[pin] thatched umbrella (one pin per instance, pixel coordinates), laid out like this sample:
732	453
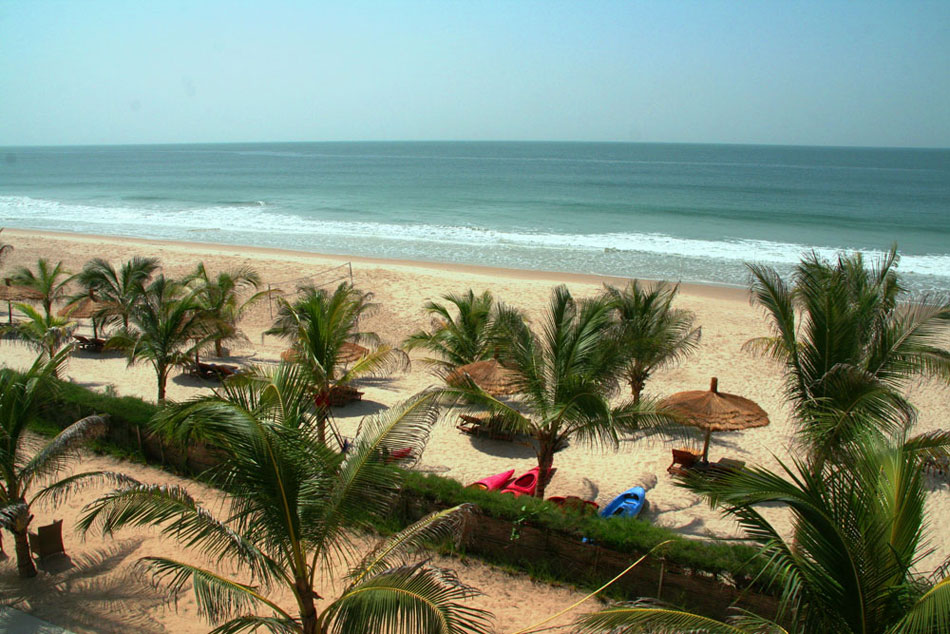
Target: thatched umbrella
350	352
490	375
12	293
715	411
85	308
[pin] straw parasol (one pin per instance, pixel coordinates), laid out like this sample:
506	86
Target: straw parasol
489	374
85	308
715	411
12	293
350	352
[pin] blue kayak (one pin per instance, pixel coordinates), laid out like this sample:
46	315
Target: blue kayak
627	504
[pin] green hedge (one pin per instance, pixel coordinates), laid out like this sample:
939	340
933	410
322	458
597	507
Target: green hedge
716	558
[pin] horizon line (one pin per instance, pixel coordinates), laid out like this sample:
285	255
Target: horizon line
486	141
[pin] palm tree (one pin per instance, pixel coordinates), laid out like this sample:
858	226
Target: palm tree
320	323
649	332
468	336
563	379
164	327
4	248
292	506
859	531
45	333
219	298
848	346
48	281
117	292
24	465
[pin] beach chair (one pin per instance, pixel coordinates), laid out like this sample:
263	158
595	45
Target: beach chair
342	395
47	540
92	344
482	426
683	460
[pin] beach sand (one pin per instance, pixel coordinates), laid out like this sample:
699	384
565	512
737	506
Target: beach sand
402	289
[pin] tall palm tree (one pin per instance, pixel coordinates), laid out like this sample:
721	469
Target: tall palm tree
24	463
117	292
848	345
650	334
50	282
4	248
458	339
859	531
292	506
45	333
319	323
220	300
164	327
564	379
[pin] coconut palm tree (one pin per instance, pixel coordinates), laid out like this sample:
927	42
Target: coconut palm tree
859	531
4	248
319	323
49	282
650	334
848	345
117	292
220	301
564	379
45	333
164	327
458	339
292	508
26	463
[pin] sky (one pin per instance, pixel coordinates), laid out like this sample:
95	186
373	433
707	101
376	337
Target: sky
799	73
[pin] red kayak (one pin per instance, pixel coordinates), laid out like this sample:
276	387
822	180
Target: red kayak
495	482
526	483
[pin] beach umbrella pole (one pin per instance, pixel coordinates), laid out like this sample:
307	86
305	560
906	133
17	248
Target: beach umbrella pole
706	446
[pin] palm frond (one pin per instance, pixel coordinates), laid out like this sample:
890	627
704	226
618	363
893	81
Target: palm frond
650	616
931	612
217	597
53	457
55	493
407	599
394	551
14	516
249	623
180	517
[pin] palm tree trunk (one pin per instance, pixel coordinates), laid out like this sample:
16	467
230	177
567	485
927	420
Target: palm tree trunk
308	607
217	348
24	561
545	462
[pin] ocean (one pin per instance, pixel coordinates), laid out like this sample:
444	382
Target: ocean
692	213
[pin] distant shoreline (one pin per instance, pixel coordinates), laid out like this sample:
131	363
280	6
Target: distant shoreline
719	291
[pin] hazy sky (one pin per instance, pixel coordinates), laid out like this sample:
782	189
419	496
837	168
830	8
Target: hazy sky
822	73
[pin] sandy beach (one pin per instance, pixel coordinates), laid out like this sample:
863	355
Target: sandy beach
401	289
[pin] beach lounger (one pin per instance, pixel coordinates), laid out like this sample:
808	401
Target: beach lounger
214	371
683	460
482	426
90	343
47	540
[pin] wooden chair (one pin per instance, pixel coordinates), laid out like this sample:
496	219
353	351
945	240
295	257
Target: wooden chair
482	426
683	460
47	540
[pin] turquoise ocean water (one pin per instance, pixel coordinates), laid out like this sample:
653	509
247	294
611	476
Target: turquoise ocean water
694	213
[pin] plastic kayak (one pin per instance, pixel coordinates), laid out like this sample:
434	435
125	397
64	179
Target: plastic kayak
526	483
627	504
495	482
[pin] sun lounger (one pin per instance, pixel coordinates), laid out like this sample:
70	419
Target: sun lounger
482	426
47	540
214	371
92	344
683	460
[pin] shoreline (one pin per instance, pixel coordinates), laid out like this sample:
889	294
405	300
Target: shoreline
709	290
